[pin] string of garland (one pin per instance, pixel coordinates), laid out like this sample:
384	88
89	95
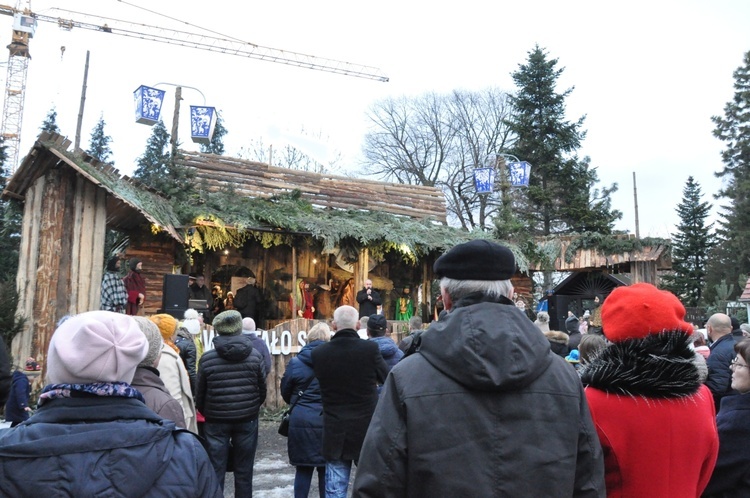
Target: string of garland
610	244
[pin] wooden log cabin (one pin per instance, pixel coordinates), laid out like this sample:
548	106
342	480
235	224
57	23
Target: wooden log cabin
334	232
282	225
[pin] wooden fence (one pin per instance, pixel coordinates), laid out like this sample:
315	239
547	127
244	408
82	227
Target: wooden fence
284	342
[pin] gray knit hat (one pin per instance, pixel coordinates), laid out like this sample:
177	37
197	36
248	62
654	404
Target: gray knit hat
153	336
228	323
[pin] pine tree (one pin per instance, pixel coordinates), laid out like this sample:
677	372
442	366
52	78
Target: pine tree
10	226
216	146
690	247
50	122
731	257
156	167
561	196
99	143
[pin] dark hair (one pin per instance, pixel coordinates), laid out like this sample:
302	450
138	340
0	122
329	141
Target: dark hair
590	346
742	348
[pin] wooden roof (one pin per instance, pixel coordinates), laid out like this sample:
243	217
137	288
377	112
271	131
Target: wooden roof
745	297
129	202
255	179
586	259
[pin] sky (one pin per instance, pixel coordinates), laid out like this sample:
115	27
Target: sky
648	76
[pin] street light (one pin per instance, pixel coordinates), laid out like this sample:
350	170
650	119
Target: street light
513	173
148	104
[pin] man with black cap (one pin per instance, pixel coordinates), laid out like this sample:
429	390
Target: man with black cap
114	295
484	390
377	328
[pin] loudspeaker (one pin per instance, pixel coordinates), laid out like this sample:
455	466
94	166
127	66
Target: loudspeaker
175	293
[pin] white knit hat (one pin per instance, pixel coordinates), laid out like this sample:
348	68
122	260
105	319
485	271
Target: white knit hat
96	346
192	325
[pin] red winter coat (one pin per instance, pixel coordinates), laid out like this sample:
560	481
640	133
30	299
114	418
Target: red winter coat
655	421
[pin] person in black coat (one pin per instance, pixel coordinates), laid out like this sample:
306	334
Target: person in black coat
231	390
731	476
188	353
349	370
5	374
368	300
719	328
17	408
247	300
572	328
305	443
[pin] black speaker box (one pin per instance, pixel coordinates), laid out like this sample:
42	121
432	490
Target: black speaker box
175	293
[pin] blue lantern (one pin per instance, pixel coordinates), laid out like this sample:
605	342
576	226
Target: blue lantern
148	102
484	180
202	123
519	172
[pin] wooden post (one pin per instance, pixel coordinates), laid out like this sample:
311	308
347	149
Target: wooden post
294	282
175	119
83	101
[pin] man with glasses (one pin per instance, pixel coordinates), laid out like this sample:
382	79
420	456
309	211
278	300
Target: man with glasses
719	381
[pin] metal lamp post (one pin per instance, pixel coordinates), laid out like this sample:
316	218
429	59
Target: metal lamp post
513	173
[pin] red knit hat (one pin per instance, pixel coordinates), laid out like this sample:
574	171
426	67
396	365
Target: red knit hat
640	310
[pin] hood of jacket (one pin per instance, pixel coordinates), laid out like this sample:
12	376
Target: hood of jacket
388	348
557	336
657	366
486	345
233	347
571	325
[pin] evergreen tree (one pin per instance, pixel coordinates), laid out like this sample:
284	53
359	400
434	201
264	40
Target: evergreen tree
731	257
50	122
10	226
216	146
99	143
156	167
561	196
690	247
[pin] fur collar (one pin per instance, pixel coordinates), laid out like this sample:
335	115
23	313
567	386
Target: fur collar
555	336
657	366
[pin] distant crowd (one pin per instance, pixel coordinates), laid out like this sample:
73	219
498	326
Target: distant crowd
629	400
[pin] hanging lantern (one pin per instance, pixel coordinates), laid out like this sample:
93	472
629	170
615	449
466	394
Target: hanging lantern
202	123
519	172
484	180
148	102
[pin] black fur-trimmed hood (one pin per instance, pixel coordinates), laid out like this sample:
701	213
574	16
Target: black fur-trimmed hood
657	366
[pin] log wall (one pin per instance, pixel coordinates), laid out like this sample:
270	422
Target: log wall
61	257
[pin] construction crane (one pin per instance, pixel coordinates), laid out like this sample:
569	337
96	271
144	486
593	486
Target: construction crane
24	27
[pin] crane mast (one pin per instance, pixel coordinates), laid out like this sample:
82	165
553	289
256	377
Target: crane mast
25	22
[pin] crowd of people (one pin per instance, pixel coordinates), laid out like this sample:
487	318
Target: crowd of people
629	400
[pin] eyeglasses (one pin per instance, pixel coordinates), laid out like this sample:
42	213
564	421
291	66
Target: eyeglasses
736	363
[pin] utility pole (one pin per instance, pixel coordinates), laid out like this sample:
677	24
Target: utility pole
83	102
635	197
176	119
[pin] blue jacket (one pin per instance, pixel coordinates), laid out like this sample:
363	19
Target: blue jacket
18	399
719	379
305	441
103	446
389	350
731	475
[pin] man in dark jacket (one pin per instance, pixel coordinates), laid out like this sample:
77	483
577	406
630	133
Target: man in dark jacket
198	290
484	405
231	390
91	434
719	381
5	373
348	370
247	300
572	324
368	300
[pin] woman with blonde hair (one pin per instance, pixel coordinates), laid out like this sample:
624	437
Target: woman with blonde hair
300	388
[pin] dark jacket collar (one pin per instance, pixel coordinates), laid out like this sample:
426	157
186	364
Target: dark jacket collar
340	334
481	297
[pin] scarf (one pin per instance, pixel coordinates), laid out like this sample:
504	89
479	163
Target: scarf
116	389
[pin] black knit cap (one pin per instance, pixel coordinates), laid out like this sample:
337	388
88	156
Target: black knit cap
377	323
476	260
